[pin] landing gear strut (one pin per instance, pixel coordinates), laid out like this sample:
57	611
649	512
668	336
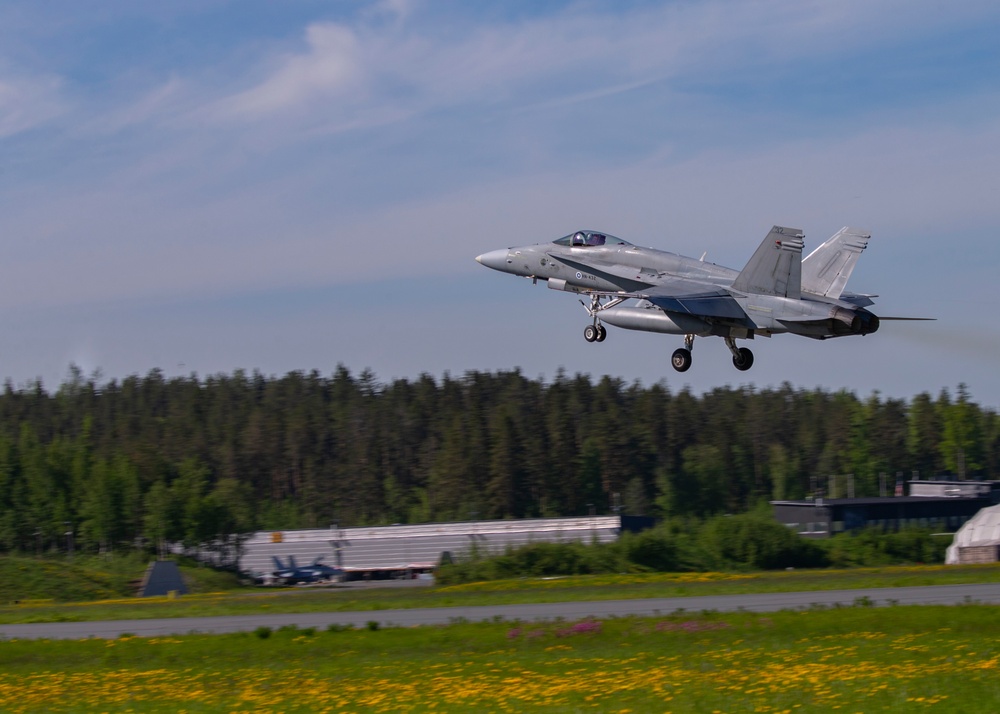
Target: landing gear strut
596	332
742	357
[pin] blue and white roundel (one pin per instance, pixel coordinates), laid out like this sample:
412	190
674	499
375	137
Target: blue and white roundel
579	275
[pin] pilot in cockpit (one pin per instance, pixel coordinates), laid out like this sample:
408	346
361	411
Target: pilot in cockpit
588	239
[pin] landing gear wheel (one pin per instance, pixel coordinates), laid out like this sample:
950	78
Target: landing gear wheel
744	360
590	333
681	360
602	333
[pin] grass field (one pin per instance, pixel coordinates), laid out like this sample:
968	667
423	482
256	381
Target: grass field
857	659
576	588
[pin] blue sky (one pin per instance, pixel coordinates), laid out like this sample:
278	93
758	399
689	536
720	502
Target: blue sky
205	186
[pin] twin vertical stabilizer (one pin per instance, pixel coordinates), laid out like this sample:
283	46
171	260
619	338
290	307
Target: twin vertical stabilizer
825	271
776	267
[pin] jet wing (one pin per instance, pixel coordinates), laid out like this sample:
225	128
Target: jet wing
694	298
705	305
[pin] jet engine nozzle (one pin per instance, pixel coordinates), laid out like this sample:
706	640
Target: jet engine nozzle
854	322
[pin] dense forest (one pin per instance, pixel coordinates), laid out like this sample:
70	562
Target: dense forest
135	462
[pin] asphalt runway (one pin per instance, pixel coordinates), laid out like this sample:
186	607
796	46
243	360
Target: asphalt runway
988	593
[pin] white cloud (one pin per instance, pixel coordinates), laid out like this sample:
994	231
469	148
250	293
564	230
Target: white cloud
347	75
152	107
397	11
326	70
27	102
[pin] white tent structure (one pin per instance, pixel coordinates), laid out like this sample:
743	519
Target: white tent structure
978	541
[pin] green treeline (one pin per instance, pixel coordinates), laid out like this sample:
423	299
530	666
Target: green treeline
135	462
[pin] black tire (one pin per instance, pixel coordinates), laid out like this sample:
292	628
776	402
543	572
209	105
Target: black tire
681	360
602	333
590	333
744	361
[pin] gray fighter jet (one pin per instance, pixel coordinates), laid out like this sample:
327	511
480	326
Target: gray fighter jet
776	292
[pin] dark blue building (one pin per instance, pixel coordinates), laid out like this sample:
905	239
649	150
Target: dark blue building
942	506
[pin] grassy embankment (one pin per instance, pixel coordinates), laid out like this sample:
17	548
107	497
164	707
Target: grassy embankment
41	582
204	602
847	659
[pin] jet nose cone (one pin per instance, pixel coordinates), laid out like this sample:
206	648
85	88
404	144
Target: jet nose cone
496	259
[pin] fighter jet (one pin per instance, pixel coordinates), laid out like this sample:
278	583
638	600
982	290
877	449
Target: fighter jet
777	291
293	573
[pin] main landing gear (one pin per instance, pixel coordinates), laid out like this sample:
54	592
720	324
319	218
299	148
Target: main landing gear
681	358
742	357
596	332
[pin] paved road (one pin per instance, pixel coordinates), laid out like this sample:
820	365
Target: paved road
768	602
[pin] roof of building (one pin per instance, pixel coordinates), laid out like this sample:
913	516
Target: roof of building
826	502
982	529
403	547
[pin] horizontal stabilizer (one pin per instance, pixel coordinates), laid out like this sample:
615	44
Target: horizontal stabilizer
776	266
825	271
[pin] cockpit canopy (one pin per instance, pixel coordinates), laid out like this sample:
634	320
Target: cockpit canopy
590	238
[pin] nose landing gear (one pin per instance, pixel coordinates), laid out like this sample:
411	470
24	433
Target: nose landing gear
595	332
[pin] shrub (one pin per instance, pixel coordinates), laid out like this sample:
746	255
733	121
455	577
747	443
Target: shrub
757	542
746	541
669	548
536	560
873	547
653	549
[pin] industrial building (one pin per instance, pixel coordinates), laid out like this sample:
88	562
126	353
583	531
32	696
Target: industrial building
407	550
944	506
